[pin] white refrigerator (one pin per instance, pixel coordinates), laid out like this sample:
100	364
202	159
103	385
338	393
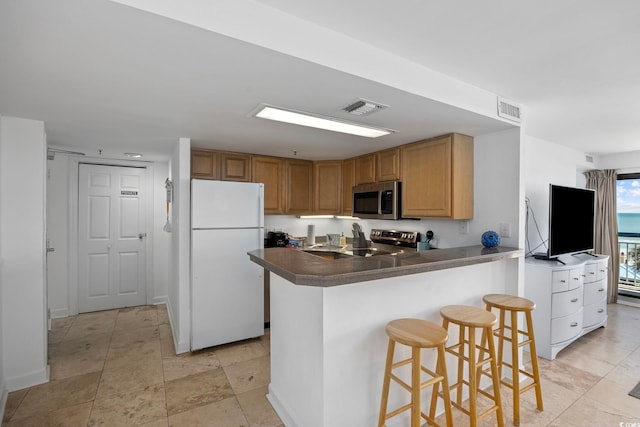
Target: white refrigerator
227	291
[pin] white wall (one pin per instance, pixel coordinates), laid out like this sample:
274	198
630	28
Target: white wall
179	289
548	163
22	216
3	386
497	199
61	287
622	162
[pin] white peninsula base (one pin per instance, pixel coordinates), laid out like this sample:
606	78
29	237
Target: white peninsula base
328	344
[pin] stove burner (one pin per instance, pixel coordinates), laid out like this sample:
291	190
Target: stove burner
395	237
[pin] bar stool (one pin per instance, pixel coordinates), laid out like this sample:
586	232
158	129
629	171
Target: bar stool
469	319
515	305
417	334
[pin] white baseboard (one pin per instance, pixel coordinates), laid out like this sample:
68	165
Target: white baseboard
159	300
59	313
29	380
280	409
3	399
181	346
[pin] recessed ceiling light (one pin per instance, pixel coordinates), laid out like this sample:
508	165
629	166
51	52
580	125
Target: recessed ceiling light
320	122
133	155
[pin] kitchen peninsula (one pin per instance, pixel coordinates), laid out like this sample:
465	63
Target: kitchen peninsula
328	343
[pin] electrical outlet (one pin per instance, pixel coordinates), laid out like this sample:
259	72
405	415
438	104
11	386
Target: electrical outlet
463	227
505	229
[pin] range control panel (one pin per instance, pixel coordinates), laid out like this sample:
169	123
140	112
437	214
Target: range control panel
395	237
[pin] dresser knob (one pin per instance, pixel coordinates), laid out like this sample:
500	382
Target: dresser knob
574	324
601	310
574	300
601	290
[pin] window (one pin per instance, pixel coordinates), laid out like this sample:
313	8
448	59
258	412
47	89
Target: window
628	209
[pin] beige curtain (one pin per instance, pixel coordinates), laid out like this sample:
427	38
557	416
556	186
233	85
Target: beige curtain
606	233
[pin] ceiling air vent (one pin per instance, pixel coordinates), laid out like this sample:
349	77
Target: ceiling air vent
588	158
508	110
362	107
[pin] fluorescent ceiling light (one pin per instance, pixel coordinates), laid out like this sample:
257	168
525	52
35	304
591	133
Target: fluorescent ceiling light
319	122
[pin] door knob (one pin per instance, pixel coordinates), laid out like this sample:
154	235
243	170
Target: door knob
142	235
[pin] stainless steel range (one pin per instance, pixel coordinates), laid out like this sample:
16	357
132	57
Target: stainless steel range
395	237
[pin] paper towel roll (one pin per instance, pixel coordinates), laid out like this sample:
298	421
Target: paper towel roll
311	234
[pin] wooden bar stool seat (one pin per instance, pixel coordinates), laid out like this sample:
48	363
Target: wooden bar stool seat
417	334
469	319
514	305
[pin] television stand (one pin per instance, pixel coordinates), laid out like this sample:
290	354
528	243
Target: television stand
585	253
545	257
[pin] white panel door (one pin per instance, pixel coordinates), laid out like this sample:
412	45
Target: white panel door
111	237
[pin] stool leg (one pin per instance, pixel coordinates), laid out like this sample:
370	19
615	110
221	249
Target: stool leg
473	383
460	366
496	382
385	384
483	344
501	325
515	368
415	387
534	360
441	369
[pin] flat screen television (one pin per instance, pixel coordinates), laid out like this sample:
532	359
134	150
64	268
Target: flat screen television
571	220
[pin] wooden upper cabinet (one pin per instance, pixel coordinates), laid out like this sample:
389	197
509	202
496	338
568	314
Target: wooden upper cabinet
270	172
235	167
366	169
299	200
348	181
437	178
388	165
204	164
327	179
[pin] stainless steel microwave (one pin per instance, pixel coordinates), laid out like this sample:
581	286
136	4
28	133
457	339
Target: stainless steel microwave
377	201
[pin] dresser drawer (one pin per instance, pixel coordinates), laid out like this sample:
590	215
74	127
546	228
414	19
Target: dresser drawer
565	280
595	292
590	273
594	313
566	328
566	303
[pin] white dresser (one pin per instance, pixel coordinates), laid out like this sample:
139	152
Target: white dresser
571	299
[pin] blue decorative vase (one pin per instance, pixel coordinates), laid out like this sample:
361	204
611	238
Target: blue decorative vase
490	239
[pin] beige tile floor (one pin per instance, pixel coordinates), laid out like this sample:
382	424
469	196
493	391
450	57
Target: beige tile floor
118	368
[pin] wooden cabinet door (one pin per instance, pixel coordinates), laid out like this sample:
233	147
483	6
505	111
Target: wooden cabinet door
270	172
348	181
437	178
204	164
299	180
235	167
366	169
327	179
388	165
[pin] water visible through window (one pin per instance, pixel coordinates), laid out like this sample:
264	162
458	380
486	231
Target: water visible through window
628	209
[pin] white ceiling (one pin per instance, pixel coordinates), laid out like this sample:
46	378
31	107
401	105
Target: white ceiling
105	76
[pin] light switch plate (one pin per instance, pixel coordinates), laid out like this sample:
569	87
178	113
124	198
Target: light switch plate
505	229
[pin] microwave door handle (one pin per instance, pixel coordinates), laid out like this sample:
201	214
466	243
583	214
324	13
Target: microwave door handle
380	202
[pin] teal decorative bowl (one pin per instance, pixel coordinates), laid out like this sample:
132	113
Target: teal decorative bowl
490	239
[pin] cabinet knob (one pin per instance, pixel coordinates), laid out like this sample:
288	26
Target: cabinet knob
576	278
603	270
574	300
574	324
592	273
563	281
601	290
601	310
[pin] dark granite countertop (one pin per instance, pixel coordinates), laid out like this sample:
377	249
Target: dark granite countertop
303	268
